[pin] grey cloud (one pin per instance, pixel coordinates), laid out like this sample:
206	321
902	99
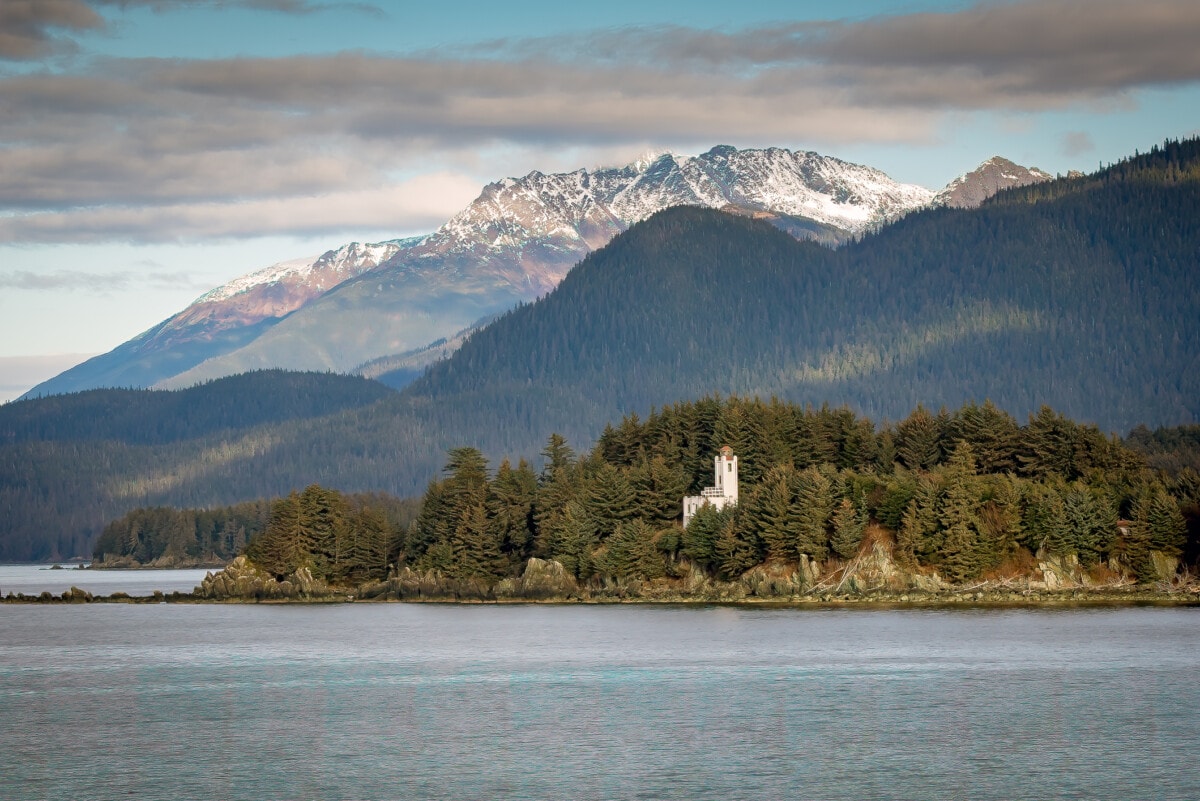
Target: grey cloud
97	283
161	148
30	29
1075	143
280	6
1016	54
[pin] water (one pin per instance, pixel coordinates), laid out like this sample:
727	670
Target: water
35	579
567	702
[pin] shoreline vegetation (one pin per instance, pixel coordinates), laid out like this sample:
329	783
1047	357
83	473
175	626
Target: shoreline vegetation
939	508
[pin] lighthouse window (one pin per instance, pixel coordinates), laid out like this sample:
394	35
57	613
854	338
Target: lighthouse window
729	467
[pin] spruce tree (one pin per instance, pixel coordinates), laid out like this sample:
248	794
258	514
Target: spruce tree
811	510
960	557
768	510
919	440
849	525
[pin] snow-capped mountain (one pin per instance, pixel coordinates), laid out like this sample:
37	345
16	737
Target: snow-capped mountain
513	244
968	191
585	209
519	238
280	289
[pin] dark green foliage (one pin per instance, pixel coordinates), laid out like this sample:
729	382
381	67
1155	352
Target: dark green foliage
153	417
811	512
919	440
610	516
700	537
849	525
509	506
632	553
1091	521
1170	449
216	535
342	540
736	549
961	554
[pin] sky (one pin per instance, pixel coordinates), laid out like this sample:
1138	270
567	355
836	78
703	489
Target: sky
151	150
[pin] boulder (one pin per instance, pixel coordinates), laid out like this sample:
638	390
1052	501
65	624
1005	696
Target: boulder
242	580
545	578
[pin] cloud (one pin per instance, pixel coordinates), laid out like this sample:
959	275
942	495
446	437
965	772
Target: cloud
29	28
1076	143
164	149
421	204
32	29
99	283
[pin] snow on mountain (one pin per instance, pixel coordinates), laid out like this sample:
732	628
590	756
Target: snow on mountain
318	272
969	190
513	244
585	209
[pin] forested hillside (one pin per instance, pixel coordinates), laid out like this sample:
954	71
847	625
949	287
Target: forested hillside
969	496
69	464
1078	293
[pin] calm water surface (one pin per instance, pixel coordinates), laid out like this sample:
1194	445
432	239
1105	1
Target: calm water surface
35	579
527	702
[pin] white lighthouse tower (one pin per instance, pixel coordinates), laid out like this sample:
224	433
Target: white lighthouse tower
724	491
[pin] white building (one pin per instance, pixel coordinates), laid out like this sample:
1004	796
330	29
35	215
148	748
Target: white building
725	491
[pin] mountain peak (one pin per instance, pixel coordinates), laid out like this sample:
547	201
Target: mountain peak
970	190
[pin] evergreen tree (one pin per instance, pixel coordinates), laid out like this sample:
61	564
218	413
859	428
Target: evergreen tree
920	536
700	537
1091	520
735	551
280	550
768	510
919	440
475	551
632	554
811	510
510	505
960	557
659	487
1044	524
569	541
608	500
849	525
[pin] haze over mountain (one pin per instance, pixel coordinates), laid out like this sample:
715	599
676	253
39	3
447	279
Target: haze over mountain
1078	293
513	244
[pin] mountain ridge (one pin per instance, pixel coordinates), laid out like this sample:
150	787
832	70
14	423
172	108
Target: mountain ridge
513	244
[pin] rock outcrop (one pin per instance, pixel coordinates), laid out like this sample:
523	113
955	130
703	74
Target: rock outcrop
242	581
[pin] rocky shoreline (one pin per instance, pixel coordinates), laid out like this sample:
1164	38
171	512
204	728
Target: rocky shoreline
872	580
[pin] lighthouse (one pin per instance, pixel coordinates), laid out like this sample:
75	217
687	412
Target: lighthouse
724	491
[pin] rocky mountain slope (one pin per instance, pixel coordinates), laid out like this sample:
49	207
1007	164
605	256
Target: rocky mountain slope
221	320
968	191
513	244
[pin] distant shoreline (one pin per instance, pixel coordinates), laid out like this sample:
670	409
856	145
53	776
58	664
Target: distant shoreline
1061	599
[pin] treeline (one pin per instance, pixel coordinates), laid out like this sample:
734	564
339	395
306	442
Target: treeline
342	539
1170	449
152	417
165	535
303	519
969	494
